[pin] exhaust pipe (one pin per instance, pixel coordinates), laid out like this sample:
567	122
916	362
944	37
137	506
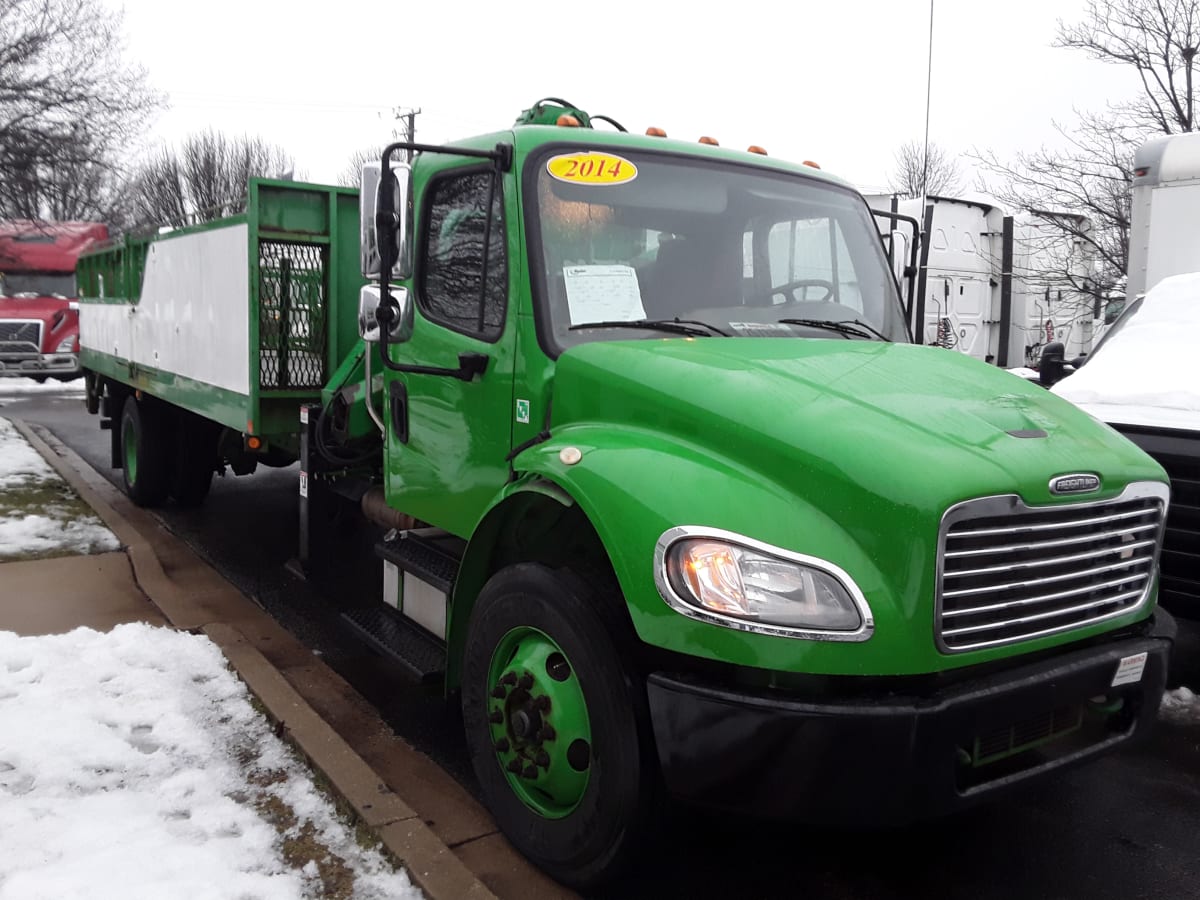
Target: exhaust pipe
376	509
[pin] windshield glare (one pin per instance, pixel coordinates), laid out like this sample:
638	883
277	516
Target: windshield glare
40	284
730	246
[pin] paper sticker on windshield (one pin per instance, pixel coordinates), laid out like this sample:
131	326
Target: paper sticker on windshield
592	168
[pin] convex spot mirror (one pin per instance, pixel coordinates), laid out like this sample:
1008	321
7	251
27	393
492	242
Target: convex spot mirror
393	198
368	314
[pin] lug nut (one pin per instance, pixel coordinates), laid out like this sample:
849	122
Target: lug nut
530	771
495	717
547	734
502	745
542	703
542	759
525	682
499	693
508	678
514	766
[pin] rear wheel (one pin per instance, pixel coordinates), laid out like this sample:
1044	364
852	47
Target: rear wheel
195	459
145	449
557	727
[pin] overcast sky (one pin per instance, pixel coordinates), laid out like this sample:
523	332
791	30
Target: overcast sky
840	82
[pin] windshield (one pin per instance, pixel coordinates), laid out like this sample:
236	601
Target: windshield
727	249
37	284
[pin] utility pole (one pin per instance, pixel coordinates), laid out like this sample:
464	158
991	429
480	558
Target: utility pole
407	115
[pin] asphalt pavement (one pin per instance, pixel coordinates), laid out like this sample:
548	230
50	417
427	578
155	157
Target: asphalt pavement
1125	826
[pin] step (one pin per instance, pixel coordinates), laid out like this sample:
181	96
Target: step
398	639
429	554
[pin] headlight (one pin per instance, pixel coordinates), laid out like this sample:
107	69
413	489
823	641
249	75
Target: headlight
67	346
734	581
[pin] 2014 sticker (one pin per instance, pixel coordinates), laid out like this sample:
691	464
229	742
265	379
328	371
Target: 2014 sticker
592	168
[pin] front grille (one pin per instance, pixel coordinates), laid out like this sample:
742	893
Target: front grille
1011	572
20	336
1179	565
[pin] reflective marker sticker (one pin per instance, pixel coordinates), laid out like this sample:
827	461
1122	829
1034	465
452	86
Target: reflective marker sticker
592	168
303	484
1130	669
304	415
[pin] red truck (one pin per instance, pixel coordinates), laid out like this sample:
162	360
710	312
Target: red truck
39	320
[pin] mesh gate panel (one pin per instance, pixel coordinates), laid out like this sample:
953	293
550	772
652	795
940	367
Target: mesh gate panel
293	315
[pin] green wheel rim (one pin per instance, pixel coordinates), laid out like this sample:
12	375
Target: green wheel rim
129	443
538	722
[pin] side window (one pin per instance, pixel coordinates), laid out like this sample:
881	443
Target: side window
452	257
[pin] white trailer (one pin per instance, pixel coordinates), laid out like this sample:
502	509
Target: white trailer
986	285
1166	197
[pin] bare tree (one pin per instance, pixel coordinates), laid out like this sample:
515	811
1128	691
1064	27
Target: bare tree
69	106
1158	40
353	172
920	173
205	179
1079	191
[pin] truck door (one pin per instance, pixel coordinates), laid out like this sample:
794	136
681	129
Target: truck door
448	439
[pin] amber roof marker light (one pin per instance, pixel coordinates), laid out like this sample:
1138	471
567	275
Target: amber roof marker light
655	132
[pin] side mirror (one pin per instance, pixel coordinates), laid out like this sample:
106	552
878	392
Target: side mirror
401	326
1052	365
385	219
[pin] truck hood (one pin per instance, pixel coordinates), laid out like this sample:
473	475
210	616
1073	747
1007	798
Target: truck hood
845	423
26	307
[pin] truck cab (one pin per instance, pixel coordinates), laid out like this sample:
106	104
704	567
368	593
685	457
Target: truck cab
39	324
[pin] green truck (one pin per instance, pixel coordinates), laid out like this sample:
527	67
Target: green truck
672	501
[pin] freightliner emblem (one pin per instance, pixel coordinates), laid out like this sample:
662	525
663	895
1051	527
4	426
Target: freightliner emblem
1074	484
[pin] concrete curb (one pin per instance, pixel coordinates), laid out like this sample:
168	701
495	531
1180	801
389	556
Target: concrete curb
430	863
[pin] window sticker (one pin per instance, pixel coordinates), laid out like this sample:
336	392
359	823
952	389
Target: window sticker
603	294
592	168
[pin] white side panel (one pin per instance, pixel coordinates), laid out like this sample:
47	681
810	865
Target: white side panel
106	328
193	317
1174	245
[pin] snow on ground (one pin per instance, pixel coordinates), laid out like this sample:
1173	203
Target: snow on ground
1147	371
10	386
1181	706
133	765
39	514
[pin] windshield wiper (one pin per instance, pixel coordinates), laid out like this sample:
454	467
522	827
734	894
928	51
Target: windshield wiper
690	327
845	327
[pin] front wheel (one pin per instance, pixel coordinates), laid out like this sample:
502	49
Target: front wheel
556	725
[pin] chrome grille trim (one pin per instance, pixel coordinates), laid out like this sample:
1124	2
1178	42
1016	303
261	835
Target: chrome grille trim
21	335
1112	575
1064	542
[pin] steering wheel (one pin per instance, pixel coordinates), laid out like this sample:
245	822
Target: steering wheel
790	288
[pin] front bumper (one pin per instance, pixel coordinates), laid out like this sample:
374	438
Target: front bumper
890	757
25	365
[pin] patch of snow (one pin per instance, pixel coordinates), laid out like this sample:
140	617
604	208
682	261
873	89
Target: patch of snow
130	765
1025	372
57	525
1148	371
1181	706
10	386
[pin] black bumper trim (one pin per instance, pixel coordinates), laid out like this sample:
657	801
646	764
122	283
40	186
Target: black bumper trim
888	758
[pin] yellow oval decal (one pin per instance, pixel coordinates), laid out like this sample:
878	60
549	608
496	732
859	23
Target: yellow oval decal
592	168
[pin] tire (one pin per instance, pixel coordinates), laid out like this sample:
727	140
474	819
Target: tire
536	634
145	452
195	459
